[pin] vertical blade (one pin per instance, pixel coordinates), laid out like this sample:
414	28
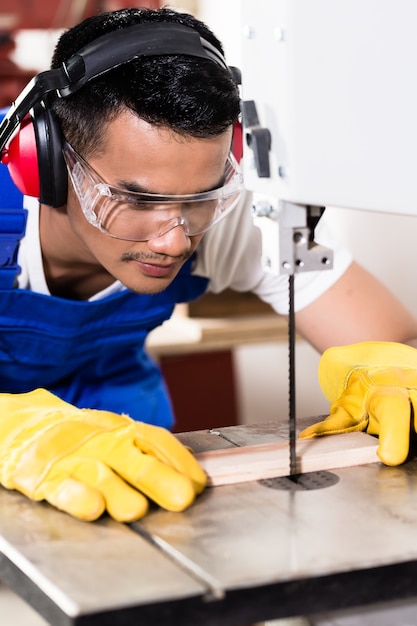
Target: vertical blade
291	373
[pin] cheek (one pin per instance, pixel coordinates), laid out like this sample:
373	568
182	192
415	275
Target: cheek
99	245
195	240
75	214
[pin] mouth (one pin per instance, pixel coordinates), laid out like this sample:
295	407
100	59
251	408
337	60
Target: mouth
156	270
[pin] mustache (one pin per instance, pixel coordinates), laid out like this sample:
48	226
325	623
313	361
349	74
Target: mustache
146	257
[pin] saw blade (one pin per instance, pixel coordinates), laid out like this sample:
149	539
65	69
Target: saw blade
291	374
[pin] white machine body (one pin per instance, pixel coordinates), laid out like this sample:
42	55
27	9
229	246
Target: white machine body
334	83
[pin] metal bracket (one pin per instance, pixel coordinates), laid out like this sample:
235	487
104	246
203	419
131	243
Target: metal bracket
288	237
298	250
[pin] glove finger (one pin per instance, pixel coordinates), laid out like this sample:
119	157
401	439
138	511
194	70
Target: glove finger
89	488
75	498
340	421
164	446
123	503
390	417
163	484
348	412
413	398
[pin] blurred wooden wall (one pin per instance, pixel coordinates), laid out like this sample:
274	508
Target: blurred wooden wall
42	15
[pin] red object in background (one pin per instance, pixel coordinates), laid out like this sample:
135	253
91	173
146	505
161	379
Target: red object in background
203	389
43	15
12	78
21	14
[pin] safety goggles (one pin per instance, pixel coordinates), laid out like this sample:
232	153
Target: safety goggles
142	216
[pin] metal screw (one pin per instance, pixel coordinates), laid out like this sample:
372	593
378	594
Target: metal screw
299	238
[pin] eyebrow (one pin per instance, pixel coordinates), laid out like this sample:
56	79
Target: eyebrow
134	187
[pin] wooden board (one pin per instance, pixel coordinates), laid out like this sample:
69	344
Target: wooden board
268	460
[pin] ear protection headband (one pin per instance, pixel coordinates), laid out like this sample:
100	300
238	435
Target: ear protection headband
30	136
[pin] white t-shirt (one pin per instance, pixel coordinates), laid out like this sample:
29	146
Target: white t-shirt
229	255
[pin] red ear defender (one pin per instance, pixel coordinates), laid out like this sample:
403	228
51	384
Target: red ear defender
22	159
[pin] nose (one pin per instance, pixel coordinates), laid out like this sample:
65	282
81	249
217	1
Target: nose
173	242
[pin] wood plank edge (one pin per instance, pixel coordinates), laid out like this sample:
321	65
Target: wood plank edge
250	463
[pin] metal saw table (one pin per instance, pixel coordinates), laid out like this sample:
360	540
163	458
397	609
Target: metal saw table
242	553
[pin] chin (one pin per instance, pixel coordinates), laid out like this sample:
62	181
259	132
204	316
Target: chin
149	290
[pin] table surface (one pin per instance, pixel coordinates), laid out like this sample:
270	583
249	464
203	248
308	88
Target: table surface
242	553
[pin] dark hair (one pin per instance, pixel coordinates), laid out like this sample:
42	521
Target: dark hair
192	96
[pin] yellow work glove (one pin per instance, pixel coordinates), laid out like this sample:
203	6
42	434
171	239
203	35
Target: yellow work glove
86	461
372	387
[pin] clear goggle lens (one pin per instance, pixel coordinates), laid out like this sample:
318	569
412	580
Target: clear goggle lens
143	216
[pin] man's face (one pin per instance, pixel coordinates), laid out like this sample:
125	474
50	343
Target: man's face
137	156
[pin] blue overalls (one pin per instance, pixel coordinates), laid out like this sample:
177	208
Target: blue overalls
91	354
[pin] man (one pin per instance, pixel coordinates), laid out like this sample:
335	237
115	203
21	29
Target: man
146	147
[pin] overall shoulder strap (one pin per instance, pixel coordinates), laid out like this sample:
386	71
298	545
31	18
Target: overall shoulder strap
12	225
